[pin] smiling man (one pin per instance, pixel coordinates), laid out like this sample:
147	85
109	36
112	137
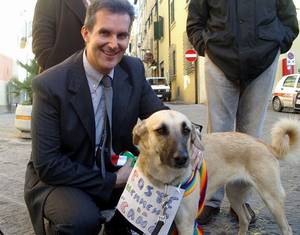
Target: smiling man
84	111
106	35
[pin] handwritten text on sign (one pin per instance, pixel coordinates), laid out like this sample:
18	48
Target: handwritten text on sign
142	203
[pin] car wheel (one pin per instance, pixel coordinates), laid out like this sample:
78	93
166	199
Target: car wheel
276	104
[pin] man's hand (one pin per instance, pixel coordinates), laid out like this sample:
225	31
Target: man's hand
123	174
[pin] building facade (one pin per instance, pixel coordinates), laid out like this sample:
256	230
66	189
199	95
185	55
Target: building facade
159	39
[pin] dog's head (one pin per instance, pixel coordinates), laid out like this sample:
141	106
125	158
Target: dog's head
165	139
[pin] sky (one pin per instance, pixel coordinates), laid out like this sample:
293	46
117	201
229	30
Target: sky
12	15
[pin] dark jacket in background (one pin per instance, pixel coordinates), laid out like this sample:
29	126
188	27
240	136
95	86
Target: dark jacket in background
242	37
56	30
63	130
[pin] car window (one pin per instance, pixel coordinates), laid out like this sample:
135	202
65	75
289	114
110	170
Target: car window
161	82
157	81
290	81
150	81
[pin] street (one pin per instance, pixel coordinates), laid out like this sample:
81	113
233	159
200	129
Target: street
15	152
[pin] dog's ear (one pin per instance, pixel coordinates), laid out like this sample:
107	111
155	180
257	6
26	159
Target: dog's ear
198	127
196	137
138	131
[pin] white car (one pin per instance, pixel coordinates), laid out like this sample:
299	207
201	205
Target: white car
287	93
160	86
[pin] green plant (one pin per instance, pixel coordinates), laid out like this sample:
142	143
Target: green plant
18	87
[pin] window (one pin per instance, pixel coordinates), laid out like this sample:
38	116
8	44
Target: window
172	9
290	81
159	28
174	61
298	84
162	69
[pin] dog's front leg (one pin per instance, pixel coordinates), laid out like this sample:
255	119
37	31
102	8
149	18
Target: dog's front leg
186	214
185	219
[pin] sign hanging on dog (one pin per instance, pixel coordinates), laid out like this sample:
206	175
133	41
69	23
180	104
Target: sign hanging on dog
148	207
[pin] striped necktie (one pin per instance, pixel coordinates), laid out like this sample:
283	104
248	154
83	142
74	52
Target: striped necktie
106	138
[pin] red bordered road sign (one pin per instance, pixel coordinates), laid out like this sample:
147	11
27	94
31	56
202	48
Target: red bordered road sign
191	55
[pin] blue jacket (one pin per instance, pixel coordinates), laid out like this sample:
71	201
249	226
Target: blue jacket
242	37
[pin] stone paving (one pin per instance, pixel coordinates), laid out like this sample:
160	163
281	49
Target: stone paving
15	152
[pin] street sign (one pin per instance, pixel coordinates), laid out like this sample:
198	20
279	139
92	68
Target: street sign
191	55
291	60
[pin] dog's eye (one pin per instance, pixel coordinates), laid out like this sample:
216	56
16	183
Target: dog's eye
163	130
185	129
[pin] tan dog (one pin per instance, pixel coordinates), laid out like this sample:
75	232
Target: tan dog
166	139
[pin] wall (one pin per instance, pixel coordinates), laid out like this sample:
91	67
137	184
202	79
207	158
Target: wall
183	84
6	71
295	49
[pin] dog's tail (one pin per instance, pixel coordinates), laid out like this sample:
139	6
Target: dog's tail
286	138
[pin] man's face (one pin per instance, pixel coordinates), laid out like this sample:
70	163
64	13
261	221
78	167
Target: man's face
107	41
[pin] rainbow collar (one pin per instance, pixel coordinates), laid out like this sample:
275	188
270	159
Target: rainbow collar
189	186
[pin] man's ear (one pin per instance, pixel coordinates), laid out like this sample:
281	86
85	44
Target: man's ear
139	130
85	33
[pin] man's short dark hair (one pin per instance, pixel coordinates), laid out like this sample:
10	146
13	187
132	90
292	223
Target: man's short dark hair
114	6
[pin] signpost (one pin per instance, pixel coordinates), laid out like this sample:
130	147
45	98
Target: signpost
191	55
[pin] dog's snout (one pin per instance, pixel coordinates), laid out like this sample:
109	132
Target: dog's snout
181	159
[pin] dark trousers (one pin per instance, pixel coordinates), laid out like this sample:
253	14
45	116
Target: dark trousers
72	211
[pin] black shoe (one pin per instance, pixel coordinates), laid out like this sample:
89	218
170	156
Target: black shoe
207	214
117	226
251	212
116	230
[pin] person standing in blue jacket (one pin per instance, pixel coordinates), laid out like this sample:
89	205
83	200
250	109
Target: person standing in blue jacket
241	41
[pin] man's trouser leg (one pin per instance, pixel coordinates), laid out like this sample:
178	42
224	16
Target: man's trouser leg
230	108
254	101
222	101
72	211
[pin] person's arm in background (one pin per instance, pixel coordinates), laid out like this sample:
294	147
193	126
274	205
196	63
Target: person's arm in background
287	15
196	24
44	30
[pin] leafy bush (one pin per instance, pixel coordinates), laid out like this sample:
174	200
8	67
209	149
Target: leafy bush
18	87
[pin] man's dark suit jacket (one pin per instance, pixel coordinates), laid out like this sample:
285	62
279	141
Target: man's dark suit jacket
56	30
63	129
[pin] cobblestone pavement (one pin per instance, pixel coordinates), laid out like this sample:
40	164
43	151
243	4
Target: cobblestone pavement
15	152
